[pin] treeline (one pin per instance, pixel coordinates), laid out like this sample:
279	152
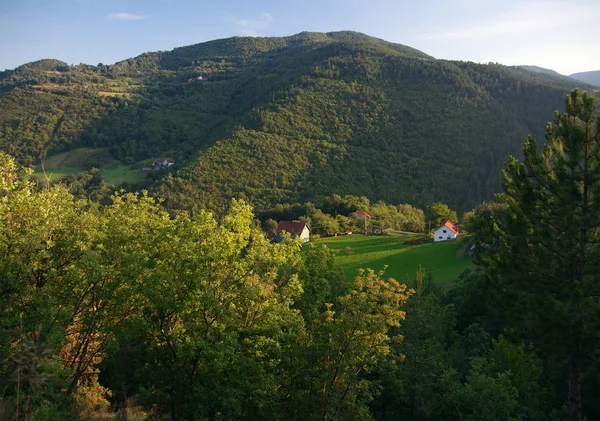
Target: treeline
337	214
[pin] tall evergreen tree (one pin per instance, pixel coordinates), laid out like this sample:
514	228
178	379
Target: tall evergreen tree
546	262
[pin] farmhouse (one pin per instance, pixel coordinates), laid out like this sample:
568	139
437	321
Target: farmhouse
445	232
362	214
295	229
163	163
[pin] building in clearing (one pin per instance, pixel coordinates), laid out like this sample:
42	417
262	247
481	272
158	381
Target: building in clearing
295	229
163	163
446	231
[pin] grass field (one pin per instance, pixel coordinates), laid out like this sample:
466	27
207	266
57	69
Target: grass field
117	173
66	163
444	260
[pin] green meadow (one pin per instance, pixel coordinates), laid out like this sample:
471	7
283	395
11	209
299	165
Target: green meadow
117	173
444	261
79	160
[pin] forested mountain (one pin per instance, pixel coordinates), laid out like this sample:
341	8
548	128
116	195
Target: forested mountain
289	119
541	70
593	77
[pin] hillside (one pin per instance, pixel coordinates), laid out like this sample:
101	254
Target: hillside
593	78
288	119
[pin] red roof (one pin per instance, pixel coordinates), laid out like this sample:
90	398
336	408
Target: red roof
362	214
294	228
449	225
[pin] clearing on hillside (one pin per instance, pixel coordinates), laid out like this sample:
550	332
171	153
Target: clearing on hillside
443	260
82	159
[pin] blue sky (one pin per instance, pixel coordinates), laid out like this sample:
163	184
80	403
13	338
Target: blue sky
561	35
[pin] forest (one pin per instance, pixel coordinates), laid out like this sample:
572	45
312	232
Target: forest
287	120
198	316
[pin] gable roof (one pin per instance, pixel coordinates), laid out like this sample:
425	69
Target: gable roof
362	214
294	228
448	224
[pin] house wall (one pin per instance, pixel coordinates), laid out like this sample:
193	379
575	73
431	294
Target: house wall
440	235
305	235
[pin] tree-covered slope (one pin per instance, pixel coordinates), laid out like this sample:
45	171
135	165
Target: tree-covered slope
539	69
288	119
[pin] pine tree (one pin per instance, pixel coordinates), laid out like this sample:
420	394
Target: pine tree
546	262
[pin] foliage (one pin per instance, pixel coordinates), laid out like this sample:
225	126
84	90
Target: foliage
345	343
483	221
412	389
336	214
438	213
451	373
193	317
545	262
89	185
210	318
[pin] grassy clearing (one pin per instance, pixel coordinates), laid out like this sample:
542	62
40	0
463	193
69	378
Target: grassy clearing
444	260
80	160
119	173
53	173
75	158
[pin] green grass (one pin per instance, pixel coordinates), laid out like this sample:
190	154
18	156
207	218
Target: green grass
73	158
54	173
119	173
444	260
67	163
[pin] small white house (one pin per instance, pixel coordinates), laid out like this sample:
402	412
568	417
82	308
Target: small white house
445	232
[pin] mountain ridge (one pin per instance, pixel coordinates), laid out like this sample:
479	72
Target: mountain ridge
540	70
288	119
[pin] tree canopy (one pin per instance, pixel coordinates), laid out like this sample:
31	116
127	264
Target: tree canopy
546	259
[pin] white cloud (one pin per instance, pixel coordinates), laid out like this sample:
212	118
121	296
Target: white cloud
253	27
126	16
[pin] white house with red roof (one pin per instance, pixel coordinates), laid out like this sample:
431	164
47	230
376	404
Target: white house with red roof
446	231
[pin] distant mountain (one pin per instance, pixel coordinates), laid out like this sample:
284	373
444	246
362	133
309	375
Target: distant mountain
290	119
593	77
541	70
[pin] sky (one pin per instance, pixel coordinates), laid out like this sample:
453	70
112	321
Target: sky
559	35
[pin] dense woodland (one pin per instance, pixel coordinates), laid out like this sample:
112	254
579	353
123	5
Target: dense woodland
287	120
200	317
